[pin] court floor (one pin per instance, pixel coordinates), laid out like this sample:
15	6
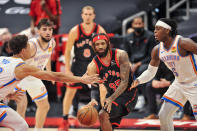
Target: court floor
55	129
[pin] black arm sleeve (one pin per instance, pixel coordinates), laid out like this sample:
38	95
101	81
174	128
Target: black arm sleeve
95	93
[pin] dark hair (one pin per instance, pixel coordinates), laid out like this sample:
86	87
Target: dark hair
138	17
173	25
46	22
17	43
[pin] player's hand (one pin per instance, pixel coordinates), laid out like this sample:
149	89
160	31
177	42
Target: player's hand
86	79
134	84
15	96
33	32
108	104
93	102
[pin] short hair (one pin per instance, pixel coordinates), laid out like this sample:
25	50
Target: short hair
138	17
17	43
46	22
173	25
88	7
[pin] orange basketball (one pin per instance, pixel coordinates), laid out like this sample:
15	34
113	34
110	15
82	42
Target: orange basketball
87	115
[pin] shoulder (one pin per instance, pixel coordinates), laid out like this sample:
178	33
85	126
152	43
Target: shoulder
73	32
74	29
184	40
121	54
101	29
156	48
92	68
155	52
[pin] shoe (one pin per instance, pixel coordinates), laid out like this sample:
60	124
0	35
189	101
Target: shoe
151	116
64	126
186	117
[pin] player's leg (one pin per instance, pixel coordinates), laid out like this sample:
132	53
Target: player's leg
12	120
22	105
173	100
166	116
37	90
41	112
68	98
105	121
191	95
22	102
111	120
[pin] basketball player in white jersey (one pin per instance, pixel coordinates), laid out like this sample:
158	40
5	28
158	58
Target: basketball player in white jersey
13	69
179	55
41	50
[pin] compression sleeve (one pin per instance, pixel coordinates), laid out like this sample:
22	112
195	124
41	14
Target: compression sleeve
148	74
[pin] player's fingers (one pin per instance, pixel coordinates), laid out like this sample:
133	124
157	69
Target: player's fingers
109	108
96	103
105	105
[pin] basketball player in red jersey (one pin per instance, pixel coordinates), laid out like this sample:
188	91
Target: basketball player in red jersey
113	67
80	38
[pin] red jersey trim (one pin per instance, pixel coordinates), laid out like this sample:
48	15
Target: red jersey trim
102	61
116	104
78	33
117	62
90	32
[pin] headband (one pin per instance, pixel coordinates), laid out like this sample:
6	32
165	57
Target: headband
163	24
100	37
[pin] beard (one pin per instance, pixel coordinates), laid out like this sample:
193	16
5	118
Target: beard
45	40
103	54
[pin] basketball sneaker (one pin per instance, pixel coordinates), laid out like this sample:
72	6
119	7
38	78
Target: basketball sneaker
64	126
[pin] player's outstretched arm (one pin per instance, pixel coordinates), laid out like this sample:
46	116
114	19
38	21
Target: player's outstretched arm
25	70
149	73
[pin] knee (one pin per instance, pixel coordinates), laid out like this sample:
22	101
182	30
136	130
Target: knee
162	115
44	106
103	115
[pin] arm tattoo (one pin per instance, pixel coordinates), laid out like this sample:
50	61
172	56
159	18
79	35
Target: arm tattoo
124	75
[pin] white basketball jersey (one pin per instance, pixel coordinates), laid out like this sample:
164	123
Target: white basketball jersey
8	80
41	56
184	68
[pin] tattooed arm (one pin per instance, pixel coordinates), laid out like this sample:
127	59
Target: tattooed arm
124	76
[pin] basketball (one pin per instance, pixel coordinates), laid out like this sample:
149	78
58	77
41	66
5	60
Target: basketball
87	115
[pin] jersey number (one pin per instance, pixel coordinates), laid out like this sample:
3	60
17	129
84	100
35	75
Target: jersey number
113	86
174	72
86	53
